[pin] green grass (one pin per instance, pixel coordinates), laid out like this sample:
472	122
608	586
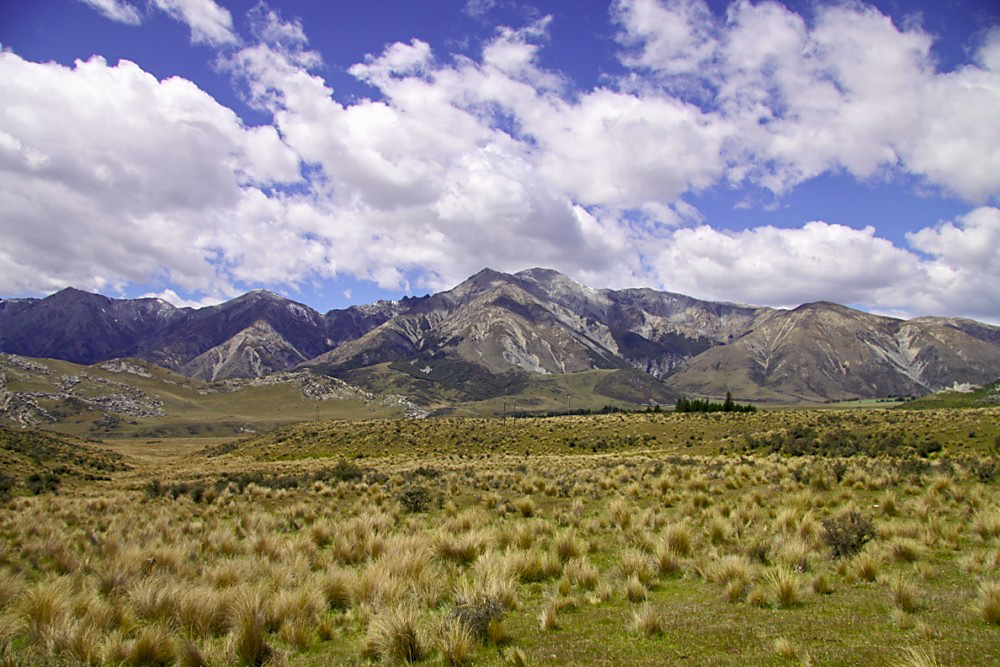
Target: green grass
982	397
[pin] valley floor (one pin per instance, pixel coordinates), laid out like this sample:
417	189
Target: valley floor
796	537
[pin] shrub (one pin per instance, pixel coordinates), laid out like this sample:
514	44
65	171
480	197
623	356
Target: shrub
6	485
847	533
476	611
415	498
985	471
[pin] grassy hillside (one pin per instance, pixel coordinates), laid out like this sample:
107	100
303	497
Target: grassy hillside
37	462
795	432
610	540
455	388
134	398
978	398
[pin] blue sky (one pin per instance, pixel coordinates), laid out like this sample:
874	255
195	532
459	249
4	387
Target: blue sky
343	152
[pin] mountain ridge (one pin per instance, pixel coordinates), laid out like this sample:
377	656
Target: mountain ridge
534	321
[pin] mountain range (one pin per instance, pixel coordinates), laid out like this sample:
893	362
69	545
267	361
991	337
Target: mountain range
486	335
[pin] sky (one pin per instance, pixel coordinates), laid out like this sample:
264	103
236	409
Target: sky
343	152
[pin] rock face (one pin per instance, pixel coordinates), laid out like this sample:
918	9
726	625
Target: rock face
824	351
254	352
541	321
535	321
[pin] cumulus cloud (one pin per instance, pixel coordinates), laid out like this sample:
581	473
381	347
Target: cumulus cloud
494	160
962	268
852	91
111	176
948	269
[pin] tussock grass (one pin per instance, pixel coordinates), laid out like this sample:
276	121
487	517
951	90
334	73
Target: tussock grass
395	634
903	593
153	646
784	586
915	657
786	648
648	620
454	641
548	617
866	566
263	570
987	603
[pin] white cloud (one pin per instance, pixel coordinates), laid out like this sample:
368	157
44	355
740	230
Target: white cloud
174	299
852	91
117	10
111	176
779	266
209	23
963	268
956	274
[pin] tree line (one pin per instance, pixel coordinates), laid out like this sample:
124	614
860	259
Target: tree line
685	404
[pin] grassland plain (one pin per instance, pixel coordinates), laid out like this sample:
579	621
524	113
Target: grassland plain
867	537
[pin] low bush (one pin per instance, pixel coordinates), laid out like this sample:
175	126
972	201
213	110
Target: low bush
847	533
415	498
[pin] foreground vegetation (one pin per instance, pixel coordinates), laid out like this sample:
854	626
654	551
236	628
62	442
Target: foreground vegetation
724	539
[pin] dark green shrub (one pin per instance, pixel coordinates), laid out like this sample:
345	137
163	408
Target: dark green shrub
985	471
847	533
415	498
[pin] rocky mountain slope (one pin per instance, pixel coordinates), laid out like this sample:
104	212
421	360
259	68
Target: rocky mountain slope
533	322
138	398
250	336
824	351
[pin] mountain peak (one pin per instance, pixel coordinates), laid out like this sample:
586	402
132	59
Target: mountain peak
540	273
72	295
263	294
479	282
